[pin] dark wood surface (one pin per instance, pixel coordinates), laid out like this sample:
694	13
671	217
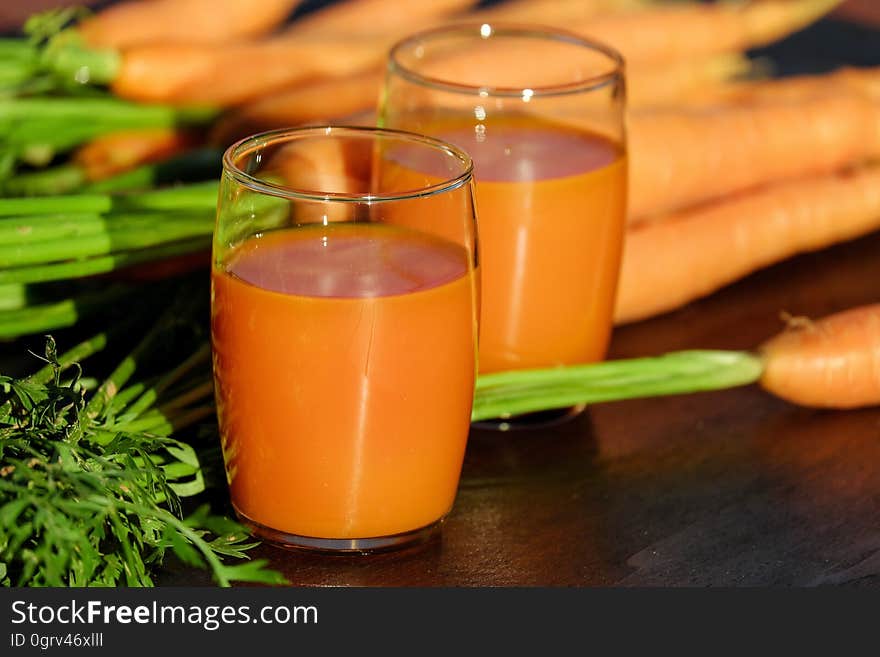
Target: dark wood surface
722	489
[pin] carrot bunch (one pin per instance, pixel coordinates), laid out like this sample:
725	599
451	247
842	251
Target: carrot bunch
754	170
352	37
759	173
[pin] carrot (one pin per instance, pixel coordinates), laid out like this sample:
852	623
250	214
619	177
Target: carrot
830	363
366	17
667	84
668	264
227	76
199	74
682	157
694	29
129	24
797	88
324	100
115	152
333	98
550	12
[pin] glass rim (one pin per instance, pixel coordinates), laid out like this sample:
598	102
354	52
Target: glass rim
284	135
590	83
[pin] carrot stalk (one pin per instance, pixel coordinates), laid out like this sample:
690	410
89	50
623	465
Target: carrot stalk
121	234
68	58
13	296
506	394
42	228
197	196
103	264
54	180
199	164
149	397
670	263
57	314
35	129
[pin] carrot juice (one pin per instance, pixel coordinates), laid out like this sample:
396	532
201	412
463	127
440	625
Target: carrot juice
345	357
552	202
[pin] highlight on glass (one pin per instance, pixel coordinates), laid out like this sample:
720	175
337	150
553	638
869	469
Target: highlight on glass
541	112
344	327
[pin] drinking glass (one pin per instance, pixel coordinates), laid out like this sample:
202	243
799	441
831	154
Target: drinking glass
541	112
344	328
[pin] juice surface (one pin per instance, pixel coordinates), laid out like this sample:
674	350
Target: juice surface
345	358
551	203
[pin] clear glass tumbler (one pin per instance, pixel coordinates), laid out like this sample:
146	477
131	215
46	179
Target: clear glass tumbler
344	326
541	112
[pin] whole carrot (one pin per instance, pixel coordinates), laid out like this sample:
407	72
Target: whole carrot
344	39
223	77
115	152
324	100
692	30
128	24
682	157
333	98
831	363
666	84
865	80
552	12
365	17
670	263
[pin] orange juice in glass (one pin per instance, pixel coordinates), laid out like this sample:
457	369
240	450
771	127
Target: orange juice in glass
541	113
344	335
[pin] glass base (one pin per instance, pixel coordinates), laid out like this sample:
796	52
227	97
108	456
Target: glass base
537	420
371	545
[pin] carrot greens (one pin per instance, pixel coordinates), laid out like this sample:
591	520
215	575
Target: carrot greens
91	481
506	394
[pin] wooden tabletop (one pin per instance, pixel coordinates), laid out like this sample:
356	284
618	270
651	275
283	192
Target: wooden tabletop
716	489
723	488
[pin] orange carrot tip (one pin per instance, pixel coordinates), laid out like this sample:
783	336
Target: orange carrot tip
770	20
830	363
